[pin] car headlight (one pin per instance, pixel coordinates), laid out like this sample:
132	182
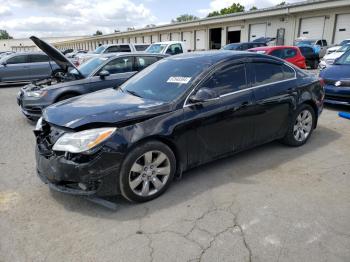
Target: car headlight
39	124
38	93
82	141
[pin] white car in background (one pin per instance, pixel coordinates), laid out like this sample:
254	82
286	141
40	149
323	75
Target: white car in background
330	58
167	48
111	48
336	47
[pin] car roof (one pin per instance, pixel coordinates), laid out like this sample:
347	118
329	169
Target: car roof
167	42
122	54
29	53
213	57
265	48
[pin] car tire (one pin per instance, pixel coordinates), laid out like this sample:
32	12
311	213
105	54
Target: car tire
301	126
147	171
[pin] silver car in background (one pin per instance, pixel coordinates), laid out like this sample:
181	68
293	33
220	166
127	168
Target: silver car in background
21	68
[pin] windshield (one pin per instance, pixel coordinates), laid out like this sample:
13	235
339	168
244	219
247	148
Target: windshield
88	67
155	48
343	48
99	49
230	46
165	80
344	59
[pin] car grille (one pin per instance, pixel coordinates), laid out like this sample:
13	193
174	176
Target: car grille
341	98
32	110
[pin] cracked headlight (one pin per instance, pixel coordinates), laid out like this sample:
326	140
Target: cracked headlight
82	141
38	93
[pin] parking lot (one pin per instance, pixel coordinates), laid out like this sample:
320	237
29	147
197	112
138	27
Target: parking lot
272	203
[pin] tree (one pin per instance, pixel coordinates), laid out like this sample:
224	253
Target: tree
98	32
253	8
5	35
234	8
282	3
184	18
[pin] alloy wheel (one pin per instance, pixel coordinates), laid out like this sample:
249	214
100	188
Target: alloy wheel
149	173
303	125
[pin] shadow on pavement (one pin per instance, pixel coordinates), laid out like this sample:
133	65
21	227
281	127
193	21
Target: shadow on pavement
236	169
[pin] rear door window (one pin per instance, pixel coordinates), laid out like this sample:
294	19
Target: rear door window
141	62
228	79
174	49
38	58
288	72
119	65
18	59
289	53
277	53
266	73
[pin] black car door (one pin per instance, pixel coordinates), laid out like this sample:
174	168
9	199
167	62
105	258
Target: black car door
273	85
220	126
120	69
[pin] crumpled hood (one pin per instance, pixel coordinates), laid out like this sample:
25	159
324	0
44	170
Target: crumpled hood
109	106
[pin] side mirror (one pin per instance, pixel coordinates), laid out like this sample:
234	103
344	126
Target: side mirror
4	63
202	95
103	74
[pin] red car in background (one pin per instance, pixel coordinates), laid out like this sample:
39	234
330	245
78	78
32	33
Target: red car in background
291	54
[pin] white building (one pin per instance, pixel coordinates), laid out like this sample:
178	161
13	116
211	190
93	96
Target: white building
25	44
324	19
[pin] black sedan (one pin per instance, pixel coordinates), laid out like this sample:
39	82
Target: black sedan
101	72
176	114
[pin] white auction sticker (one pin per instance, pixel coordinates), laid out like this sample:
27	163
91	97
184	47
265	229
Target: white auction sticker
179	79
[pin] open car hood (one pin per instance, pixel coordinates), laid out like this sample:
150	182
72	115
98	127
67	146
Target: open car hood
54	54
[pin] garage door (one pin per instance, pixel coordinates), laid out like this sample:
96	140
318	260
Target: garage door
200	40
187	38
257	31
155	38
147	39
175	37
312	27
164	37
342	28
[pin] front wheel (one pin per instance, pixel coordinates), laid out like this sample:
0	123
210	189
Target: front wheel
147	171
301	126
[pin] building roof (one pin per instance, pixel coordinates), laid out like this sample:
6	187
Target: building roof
270	11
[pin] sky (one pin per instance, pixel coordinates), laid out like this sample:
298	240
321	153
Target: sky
44	18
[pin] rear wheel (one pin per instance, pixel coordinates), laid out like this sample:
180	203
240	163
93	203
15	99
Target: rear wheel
301	126
147	171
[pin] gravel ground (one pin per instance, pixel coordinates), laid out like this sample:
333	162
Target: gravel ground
272	203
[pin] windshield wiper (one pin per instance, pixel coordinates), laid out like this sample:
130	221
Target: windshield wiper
133	93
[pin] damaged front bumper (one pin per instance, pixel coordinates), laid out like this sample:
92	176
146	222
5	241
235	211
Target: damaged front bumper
96	174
